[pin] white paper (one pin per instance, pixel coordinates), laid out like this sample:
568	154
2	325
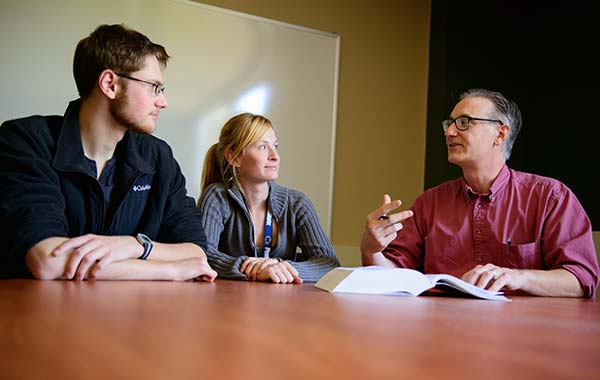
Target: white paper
384	280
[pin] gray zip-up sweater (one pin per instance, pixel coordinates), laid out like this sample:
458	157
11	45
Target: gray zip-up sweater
230	232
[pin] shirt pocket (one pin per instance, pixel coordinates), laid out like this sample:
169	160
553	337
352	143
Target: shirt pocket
521	256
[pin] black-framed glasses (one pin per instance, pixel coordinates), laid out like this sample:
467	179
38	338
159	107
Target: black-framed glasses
464	122
158	88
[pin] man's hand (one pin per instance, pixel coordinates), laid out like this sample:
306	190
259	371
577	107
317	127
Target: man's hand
494	278
90	253
382	228
194	268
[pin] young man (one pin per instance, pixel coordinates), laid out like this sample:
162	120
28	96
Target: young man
494	227
92	195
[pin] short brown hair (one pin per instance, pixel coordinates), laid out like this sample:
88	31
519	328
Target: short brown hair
113	47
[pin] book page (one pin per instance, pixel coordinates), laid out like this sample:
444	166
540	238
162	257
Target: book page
375	280
395	281
463	286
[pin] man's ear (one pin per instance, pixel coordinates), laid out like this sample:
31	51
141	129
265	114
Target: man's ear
503	133
233	161
107	83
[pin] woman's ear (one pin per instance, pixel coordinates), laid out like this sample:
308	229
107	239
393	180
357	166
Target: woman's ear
233	161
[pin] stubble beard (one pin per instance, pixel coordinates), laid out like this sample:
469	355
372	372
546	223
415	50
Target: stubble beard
118	110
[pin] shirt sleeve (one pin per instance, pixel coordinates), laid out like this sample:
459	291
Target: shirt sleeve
315	244
567	240
31	204
211	208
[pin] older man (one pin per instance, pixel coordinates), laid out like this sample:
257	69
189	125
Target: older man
495	227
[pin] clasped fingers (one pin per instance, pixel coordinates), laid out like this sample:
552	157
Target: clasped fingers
281	273
253	265
90	253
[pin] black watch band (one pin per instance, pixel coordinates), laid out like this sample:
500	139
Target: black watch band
146	242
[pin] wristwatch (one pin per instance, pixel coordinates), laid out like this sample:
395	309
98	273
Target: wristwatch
145	241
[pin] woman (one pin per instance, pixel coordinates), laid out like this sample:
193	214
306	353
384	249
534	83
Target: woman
254	225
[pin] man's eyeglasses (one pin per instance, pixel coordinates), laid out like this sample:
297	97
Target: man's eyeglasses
156	87
464	122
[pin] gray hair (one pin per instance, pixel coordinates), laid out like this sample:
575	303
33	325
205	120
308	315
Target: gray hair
504	109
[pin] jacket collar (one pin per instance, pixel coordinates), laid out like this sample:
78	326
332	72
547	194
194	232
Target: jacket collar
69	149
277	199
69	154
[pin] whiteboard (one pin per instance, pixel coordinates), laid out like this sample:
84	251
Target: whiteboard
223	63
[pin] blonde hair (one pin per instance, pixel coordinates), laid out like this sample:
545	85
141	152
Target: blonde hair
237	133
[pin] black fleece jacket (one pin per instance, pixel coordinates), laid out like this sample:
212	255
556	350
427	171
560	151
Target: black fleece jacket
47	189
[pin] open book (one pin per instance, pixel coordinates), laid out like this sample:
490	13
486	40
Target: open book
400	281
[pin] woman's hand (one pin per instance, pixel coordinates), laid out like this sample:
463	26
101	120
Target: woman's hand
262	269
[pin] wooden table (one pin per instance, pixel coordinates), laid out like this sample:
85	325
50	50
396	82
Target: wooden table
229	329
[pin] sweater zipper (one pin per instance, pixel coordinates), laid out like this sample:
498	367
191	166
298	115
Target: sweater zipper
249	218
251	237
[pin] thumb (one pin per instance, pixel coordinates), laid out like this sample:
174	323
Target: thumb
386	199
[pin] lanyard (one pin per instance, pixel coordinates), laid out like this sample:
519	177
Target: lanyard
268	234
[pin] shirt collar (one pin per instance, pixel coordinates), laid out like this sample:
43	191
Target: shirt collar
69	154
497	186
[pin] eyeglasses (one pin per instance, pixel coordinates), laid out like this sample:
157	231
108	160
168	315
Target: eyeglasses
464	122
158	88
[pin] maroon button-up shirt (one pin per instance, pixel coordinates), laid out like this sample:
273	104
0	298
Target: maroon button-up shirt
525	222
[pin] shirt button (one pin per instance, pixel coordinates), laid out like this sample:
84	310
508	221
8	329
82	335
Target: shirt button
479	259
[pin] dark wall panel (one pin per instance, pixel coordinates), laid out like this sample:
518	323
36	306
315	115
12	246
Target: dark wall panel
543	56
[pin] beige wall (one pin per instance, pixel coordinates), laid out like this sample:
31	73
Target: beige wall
380	142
